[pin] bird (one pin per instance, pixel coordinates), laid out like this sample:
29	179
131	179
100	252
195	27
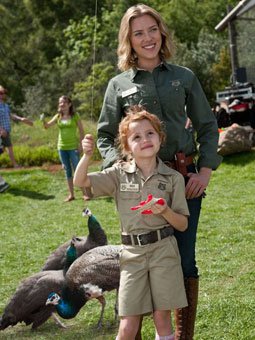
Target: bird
28	302
41	295
97	237
100	268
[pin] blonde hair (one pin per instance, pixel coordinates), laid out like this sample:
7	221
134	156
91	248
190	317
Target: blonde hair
126	55
137	113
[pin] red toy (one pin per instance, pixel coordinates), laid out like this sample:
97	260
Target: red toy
145	205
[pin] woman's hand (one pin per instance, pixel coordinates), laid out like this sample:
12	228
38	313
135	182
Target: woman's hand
88	145
197	183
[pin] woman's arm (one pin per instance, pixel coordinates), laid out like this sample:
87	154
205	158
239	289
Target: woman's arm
51	122
81	134
80	175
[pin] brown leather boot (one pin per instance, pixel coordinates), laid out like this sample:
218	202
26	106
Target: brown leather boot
185	317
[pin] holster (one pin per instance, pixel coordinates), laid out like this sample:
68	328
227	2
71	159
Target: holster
180	163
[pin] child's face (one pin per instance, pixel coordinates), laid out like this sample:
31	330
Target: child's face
143	140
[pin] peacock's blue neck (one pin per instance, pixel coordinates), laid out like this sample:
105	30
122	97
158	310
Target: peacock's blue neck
66	310
93	223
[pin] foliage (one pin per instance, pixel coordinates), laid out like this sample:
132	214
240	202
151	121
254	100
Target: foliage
91	92
35	221
207	61
66	40
186	18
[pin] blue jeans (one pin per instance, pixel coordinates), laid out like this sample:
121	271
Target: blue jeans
187	240
70	160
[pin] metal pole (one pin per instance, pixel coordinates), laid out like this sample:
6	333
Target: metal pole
232	46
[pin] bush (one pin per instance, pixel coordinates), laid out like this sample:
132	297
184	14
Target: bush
36	146
27	156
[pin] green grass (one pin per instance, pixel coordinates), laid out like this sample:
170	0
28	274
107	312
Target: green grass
34	221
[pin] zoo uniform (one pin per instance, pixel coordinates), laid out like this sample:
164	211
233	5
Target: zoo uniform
173	93
151	275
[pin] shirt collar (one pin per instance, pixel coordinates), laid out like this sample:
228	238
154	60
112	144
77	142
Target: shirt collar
134	70
163	169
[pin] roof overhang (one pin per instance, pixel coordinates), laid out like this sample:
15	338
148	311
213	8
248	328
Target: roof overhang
241	8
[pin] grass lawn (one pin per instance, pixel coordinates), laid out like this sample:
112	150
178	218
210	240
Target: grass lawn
34	221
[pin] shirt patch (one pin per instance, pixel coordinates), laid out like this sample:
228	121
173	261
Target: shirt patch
129	92
129	187
162	186
175	83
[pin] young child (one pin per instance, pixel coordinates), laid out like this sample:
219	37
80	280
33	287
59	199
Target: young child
5	125
68	143
151	274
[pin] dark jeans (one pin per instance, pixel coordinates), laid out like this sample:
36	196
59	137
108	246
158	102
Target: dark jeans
187	240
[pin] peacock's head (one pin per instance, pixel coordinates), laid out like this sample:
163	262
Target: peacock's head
53	299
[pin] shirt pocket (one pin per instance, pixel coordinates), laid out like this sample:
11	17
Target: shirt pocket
175	97
127	200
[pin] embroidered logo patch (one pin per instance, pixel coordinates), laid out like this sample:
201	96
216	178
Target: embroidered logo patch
162	186
175	83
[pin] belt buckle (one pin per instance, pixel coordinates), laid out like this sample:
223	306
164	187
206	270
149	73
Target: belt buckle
138	239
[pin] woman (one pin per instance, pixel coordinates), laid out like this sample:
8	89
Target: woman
174	94
68	143
151	279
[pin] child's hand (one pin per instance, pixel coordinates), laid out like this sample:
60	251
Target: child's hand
146	206
159	208
88	144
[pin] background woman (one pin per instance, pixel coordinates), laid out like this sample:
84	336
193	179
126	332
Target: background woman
174	94
68	142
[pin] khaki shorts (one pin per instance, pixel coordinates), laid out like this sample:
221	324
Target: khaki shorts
151	278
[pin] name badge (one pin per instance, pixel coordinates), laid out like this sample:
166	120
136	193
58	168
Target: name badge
129	92
129	187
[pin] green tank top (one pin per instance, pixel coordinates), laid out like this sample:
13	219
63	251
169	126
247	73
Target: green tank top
67	137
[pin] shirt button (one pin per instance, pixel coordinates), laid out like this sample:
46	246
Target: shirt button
155	102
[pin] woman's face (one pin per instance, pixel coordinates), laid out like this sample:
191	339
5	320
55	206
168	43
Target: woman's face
146	41
63	104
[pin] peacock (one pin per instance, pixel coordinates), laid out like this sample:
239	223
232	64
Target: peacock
28	302
100	269
40	295
96	237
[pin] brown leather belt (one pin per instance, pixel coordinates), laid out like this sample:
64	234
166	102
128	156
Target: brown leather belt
180	162
147	238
